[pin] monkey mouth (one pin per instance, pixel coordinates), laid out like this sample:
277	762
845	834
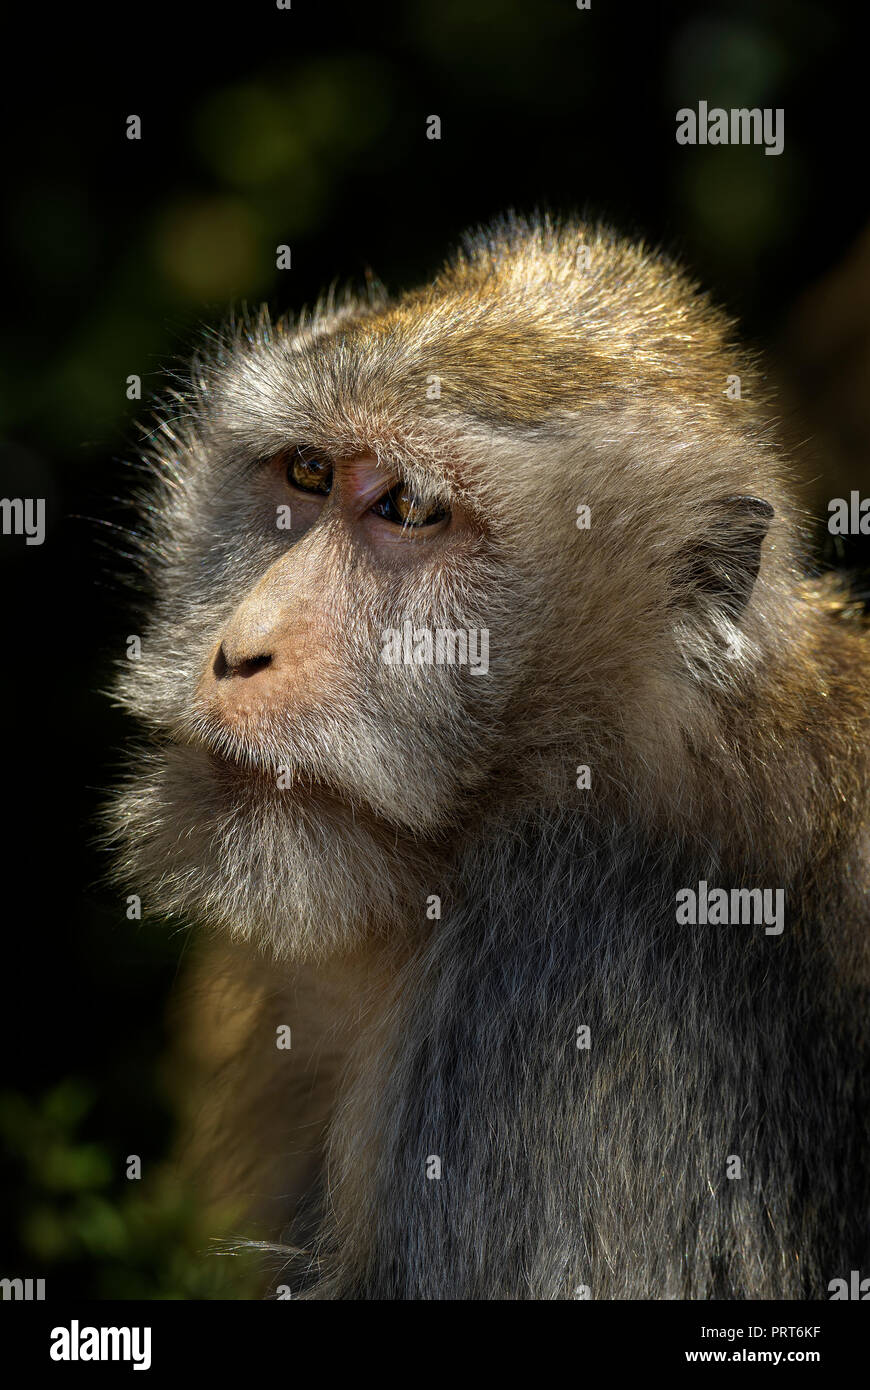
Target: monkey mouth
240	763
244	770
239	769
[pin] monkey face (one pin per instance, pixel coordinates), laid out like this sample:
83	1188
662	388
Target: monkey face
376	618
302	638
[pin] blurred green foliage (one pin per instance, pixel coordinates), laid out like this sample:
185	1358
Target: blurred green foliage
97	1232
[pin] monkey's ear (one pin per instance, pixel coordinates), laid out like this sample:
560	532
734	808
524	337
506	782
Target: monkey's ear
723	563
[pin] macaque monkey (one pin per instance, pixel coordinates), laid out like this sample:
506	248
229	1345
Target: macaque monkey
569	947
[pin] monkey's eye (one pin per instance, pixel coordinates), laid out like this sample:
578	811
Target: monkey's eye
308	472
404	508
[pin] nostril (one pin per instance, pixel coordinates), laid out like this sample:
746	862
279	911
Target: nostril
249	667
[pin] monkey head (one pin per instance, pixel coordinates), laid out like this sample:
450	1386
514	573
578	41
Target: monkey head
537	447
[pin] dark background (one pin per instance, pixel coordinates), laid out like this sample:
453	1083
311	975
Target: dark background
308	127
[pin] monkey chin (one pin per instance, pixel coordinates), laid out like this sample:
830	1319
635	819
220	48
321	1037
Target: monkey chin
300	873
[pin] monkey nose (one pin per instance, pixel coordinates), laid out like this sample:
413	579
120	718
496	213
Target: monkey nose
235	663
